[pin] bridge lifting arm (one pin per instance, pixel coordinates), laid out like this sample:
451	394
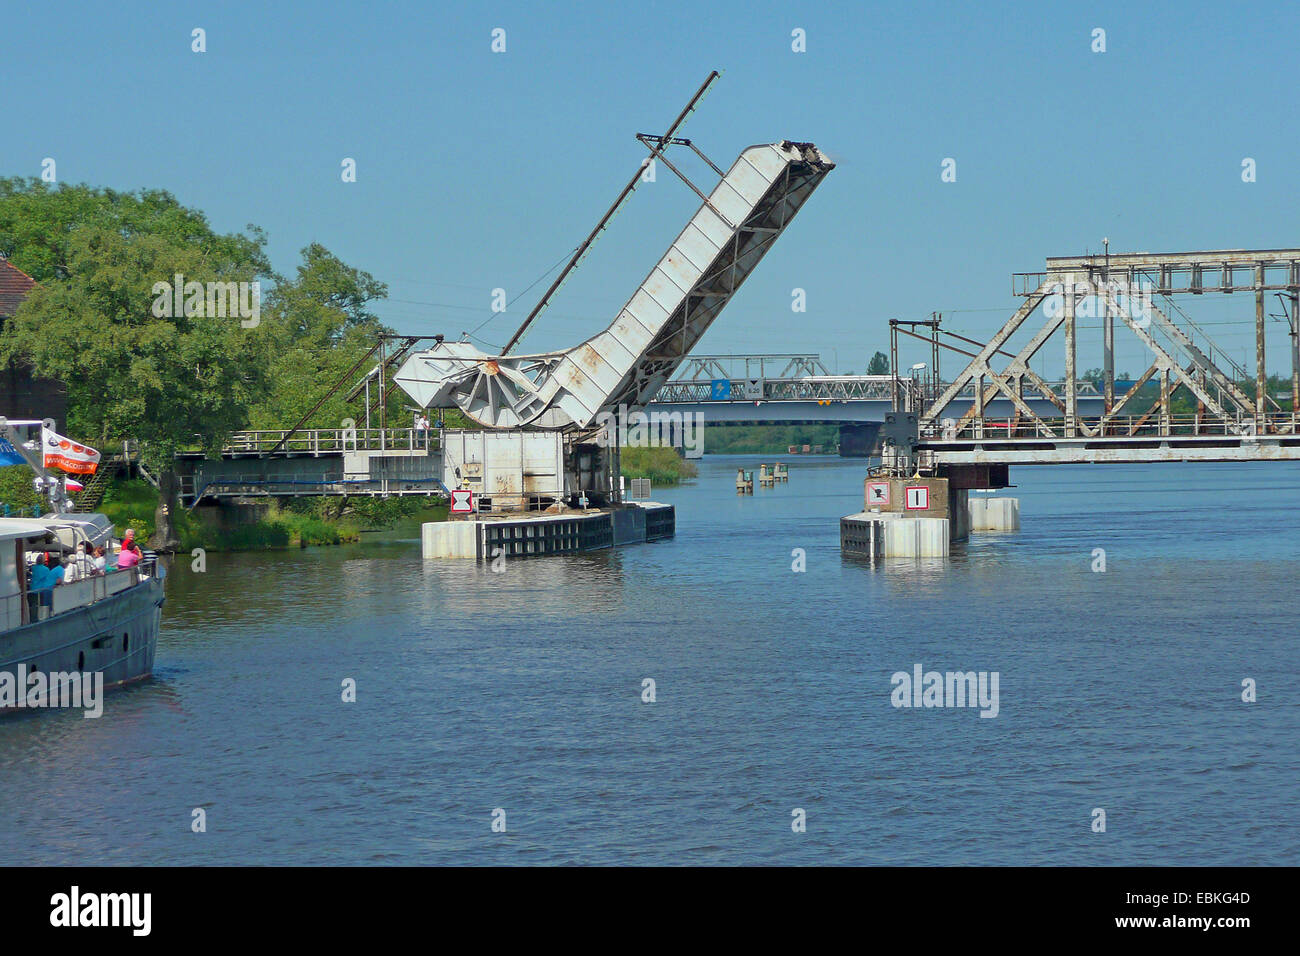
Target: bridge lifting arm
663	320
604	220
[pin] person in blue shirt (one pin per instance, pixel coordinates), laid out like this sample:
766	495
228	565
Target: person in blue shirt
41	576
44	579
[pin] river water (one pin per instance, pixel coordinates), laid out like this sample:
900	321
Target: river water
522	690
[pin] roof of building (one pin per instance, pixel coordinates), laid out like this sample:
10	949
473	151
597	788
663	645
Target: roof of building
14	287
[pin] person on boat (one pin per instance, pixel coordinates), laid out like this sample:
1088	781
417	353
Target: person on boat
44	579
71	570
129	545
85	558
100	563
130	554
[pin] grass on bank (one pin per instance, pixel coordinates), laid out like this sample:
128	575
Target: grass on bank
663	466
300	522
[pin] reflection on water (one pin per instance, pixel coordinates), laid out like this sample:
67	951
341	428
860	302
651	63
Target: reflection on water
522	690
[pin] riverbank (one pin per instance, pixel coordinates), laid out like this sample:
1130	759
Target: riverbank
663	466
767	439
300	523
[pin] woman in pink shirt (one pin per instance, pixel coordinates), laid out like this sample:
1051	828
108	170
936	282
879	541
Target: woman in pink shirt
130	554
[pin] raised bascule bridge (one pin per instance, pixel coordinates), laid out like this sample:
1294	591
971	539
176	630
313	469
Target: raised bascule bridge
542	454
919	500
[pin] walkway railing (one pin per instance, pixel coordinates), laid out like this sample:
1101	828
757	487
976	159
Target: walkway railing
1148	425
315	441
827	388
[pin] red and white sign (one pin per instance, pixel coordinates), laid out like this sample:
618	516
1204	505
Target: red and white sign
462	501
877	493
918	498
66	454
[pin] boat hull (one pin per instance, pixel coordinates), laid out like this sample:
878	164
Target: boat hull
116	636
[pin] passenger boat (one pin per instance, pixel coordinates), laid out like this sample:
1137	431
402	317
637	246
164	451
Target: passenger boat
100	624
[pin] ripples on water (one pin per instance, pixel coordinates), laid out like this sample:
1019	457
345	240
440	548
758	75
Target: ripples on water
522	691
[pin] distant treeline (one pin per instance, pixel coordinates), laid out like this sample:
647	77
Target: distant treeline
767	439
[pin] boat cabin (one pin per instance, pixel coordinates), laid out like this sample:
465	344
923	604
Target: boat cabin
21	540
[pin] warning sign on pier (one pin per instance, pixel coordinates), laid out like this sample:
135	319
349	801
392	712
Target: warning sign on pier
462	501
918	498
877	492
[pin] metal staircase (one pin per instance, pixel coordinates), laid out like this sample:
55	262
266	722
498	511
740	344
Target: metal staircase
92	493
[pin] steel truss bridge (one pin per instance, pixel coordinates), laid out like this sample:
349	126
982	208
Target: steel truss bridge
732	389
1235	419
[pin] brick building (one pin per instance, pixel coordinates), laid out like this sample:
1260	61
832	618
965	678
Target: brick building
22	395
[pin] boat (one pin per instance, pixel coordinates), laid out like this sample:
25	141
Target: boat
96	627
103	624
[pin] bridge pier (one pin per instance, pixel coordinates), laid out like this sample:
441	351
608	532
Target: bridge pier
858	439
920	517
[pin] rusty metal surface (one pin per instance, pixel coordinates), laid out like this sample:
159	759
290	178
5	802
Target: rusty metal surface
1229	425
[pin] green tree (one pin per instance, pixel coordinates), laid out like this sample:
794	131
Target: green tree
320	326
172	381
168	381
879	364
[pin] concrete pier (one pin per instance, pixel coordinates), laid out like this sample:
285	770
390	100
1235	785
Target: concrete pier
888	535
920	518
994	514
530	535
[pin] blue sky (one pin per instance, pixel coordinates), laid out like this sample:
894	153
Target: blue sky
478	170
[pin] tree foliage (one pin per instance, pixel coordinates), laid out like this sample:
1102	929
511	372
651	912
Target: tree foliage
173	381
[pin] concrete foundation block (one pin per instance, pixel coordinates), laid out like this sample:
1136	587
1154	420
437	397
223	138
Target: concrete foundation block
994	514
885	535
449	539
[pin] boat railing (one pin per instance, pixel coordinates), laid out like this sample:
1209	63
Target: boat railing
88	590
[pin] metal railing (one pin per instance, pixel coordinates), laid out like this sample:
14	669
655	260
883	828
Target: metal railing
833	388
85	591
1094	427
257	485
331	440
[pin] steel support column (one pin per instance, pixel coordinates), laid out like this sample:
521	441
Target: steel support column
1295	361
1071	396
1261	372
